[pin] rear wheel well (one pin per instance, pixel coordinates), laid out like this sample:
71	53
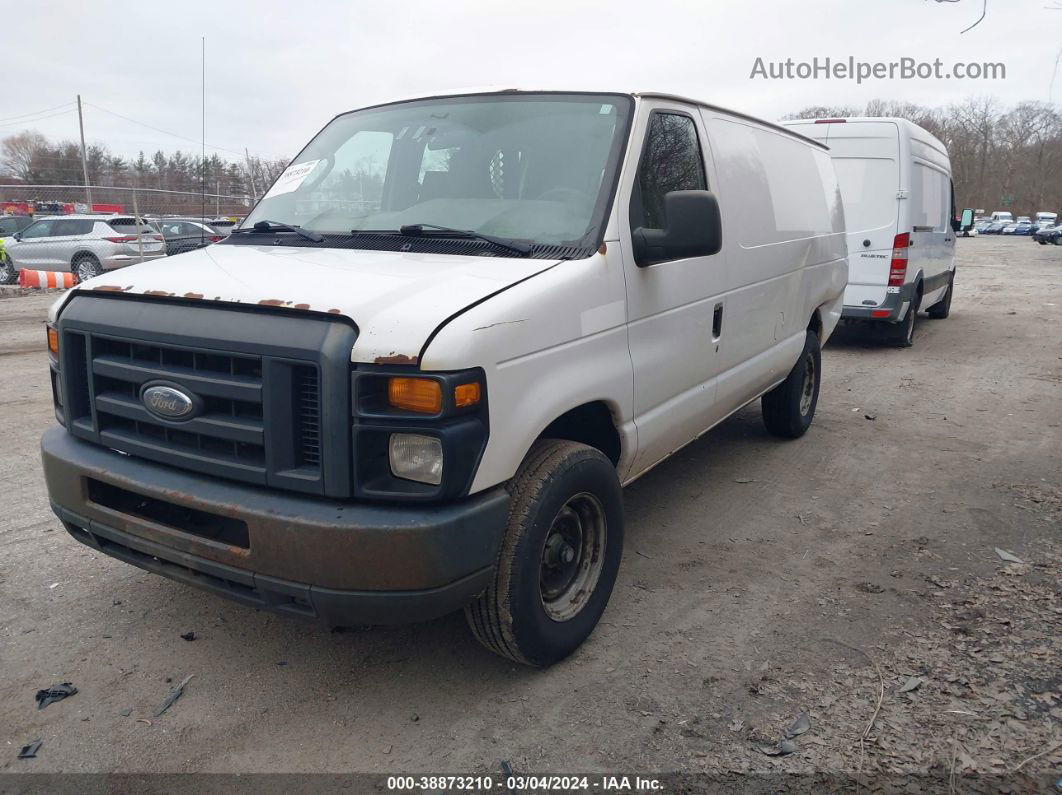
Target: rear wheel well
82	255
591	424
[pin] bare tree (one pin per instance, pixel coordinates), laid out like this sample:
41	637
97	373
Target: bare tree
20	155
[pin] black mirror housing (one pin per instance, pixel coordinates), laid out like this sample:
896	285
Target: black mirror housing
694	229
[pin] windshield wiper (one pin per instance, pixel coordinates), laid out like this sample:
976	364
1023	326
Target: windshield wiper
516	246
277	226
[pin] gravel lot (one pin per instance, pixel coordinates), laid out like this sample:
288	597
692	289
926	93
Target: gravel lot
761	580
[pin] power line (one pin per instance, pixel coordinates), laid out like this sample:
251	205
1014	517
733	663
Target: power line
24	122
168	132
36	113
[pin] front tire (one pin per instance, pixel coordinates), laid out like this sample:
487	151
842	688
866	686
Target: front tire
789	408
559	557
8	271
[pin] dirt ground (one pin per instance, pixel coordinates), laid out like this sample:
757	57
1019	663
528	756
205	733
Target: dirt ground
761	580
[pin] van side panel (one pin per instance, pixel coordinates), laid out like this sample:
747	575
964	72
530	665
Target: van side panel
932	253
783	234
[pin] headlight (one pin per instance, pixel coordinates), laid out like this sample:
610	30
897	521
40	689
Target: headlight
414	456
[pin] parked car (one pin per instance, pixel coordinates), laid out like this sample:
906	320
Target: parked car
1020	228
901	245
1003	215
995	228
223	226
182	234
10	225
1050	234
87	245
382	410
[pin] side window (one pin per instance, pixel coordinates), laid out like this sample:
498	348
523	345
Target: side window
39	229
8	226
69	227
191	229
671	160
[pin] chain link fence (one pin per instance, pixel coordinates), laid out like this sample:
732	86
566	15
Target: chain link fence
47	200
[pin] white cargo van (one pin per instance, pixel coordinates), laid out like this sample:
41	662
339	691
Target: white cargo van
1003	217
416	377
895	180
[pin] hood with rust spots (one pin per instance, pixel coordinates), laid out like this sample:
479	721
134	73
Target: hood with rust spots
397	299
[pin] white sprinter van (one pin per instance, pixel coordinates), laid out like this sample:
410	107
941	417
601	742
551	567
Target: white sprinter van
895	180
416	377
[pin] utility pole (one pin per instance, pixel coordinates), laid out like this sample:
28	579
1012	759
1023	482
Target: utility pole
84	157
250	175
217	197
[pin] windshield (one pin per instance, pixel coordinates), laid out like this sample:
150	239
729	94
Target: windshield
534	167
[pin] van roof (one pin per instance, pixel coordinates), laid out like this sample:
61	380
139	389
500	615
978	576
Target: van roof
912	129
584	90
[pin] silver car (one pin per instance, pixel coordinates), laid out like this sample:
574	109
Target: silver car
87	245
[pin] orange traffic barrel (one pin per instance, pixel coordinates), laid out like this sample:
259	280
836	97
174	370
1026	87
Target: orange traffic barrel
28	278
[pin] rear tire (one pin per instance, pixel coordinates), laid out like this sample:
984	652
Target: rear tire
902	334
942	308
559	557
789	408
8	271
86	267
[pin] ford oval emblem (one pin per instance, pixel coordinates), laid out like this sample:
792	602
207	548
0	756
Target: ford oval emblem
168	402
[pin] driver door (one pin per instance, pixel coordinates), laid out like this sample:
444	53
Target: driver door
676	308
30	250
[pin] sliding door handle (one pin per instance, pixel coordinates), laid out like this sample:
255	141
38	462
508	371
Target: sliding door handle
717	321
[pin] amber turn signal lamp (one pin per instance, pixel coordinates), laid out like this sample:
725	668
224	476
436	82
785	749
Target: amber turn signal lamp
466	395
53	341
422	395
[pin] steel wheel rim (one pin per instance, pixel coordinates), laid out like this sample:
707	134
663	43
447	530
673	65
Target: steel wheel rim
807	388
573	556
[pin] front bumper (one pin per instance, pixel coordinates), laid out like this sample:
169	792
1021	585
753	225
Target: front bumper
336	562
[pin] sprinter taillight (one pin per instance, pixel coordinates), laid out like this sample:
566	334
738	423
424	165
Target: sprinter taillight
898	265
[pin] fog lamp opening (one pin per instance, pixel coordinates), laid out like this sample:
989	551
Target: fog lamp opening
416	457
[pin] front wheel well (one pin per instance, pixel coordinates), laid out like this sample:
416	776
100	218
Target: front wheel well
815	324
590	424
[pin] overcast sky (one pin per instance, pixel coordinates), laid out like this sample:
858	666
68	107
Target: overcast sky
277	71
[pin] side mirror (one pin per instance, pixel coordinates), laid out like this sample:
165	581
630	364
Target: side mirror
17	235
694	229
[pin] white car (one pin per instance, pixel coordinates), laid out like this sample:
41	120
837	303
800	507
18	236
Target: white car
416	377
899	203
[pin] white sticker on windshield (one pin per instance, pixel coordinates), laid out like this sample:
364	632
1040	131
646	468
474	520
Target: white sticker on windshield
292	178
